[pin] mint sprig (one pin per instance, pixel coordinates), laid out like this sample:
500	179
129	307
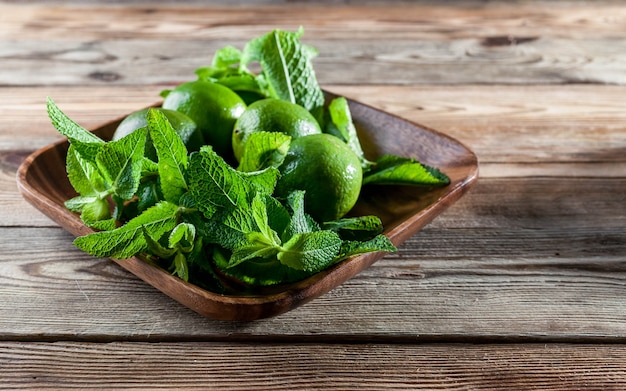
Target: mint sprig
171	154
286	67
265	149
397	170
129	240
204	220
340	124
84	175
85	142
120	163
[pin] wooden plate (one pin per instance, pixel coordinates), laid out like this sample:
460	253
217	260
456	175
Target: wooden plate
404	211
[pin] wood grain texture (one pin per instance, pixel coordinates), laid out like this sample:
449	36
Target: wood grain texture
412	44
497	265
573	126
534	253
194	366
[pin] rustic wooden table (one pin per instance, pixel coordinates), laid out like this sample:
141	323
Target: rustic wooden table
520	285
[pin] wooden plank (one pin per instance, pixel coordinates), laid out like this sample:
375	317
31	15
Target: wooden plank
416	20
574	126
375	61
535	253
529	124
413	44
192	366
515	260
27	126
371	62
540	203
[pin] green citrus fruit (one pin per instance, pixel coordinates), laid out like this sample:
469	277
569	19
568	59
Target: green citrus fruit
213	107
183	125
273	115
327	170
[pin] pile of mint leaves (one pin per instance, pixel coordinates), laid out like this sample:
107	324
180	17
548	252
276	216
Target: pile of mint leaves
208	222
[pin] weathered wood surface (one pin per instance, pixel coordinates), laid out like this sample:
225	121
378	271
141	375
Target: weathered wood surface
200	366
579	126
497	265
429	43
551	290
536	252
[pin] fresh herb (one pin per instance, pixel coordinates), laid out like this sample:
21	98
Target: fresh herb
287	68
340	124
201	218
397	170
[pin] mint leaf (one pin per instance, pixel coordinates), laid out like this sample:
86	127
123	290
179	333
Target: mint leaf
260	216
148	194
226	57
181	269
224	196
84	175
148	167
224	64
182	237
214	184
121	162
171	155
225	70
245	83
239	220
378	243
154	247
94	212
263	150
257	246
180	244
356	228
101	225
77	204
248	224
129	239
396	170
341	125
85	142
300	222
67	126
264	181
277	215
286	65
258	271
233	203
310	252
214	231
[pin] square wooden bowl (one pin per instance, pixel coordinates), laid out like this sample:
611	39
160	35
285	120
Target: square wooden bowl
404	210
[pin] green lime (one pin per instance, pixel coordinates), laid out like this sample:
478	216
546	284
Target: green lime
273	115
213	107
327	170
183	125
